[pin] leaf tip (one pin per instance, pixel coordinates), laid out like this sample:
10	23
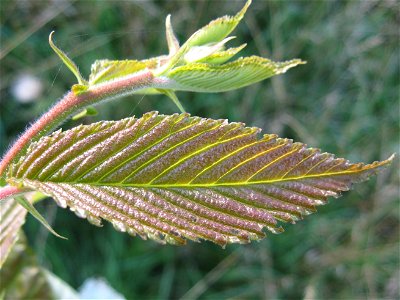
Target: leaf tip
66	60
172	41
241	13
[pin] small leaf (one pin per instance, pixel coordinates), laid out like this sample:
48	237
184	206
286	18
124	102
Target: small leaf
198	53
106	70
217	29
32	210
222	56
171	178
200	77
67	61
214	32
89	111
173	43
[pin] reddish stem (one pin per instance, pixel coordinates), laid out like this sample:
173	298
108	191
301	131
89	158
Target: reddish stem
71	104
9	191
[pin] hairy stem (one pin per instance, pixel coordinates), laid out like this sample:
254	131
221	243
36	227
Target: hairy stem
11	191
72	103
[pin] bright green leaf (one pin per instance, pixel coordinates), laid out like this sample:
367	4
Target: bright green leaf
222	56
210	34
172	178
106	70
217	29
200	77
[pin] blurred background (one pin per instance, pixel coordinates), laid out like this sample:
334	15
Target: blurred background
345	100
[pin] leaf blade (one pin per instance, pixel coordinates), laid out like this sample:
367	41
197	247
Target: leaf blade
201	77
172	178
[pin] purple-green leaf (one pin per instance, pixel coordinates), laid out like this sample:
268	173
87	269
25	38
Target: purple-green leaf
172	178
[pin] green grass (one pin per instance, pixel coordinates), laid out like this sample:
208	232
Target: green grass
345	101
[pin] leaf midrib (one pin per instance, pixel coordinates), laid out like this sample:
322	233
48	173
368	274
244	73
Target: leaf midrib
202	185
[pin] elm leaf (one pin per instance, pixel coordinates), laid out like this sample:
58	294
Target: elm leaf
220	57
217	29
201	77
105	70
172	178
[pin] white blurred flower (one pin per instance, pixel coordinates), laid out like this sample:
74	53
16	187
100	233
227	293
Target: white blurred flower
98	288
26	88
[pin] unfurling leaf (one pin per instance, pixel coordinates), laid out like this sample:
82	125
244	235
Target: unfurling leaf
172	178
199	65
217	29
172	40
106	70
200	77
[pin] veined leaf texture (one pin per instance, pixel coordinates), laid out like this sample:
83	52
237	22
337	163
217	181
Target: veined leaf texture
172	178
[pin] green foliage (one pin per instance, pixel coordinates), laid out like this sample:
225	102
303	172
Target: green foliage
67	61
349	90
172	178
200	77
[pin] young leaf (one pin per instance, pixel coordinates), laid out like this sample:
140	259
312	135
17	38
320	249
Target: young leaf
212	33
220	57
217	29
67	61
106	70
200	77
172	41
172	178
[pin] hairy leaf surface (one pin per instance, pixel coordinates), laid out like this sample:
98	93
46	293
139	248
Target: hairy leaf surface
178	177
104	70
201	77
